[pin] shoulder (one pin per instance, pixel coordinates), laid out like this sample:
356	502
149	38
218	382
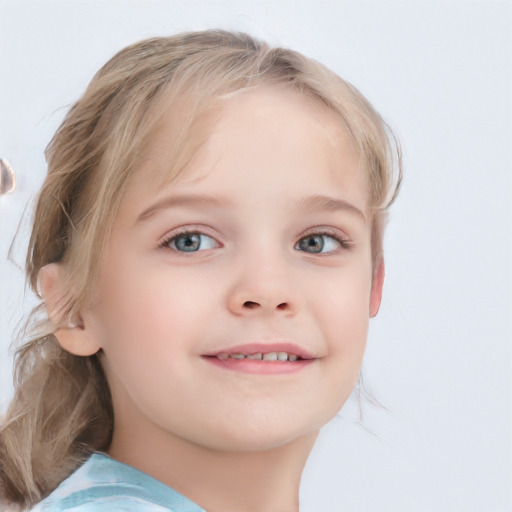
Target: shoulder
102	484
117	503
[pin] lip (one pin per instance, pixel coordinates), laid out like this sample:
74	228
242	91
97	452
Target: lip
258	366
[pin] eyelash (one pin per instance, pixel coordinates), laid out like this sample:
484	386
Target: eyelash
344	243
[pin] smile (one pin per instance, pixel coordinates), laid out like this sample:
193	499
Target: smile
268	356
262	358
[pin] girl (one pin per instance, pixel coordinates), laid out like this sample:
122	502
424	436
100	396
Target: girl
208	248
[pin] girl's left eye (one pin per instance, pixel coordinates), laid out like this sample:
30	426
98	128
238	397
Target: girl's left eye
191	242
320	243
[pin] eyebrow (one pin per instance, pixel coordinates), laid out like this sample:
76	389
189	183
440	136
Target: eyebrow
327	203
185	200
310	203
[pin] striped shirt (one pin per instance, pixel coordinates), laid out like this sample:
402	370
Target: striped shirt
103	484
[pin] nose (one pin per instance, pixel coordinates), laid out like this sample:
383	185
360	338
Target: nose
264	287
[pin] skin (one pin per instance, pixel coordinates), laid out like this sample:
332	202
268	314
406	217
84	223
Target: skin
159	310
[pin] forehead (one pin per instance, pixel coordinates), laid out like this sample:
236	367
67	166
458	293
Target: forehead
273	126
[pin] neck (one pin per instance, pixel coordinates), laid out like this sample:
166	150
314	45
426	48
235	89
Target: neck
219	481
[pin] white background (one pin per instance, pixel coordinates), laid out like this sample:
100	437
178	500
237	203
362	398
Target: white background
439	354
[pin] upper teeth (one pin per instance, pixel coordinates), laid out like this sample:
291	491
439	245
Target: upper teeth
269	356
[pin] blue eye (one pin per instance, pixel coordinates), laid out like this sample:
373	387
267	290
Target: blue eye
191	242
318	244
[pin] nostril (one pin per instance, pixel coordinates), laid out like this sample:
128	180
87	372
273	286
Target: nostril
283	305
249	304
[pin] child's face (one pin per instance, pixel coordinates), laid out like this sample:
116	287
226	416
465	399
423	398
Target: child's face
261	245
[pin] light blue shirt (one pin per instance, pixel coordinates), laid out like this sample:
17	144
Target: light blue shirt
103	484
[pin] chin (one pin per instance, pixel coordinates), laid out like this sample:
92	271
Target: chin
254	436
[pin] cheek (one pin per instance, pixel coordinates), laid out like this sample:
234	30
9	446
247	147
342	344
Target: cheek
343	319
149	308
345	306
142	324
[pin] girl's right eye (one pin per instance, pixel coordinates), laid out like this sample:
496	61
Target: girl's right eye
190	242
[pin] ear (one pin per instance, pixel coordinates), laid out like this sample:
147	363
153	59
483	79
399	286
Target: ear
377	284
72	334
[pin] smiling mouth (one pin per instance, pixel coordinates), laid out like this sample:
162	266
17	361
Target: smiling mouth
261	356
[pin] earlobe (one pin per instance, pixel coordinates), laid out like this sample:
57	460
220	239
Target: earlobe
376	292
71	333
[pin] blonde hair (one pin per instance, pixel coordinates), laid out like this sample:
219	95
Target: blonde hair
62	409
